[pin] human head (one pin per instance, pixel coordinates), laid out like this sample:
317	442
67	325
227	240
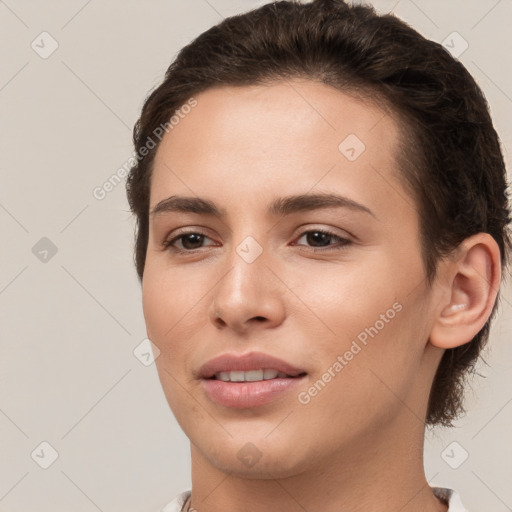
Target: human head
450	157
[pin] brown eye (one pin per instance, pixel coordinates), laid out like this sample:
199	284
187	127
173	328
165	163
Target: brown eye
319	239
190	242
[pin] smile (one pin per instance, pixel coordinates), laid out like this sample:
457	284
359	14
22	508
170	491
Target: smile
250	376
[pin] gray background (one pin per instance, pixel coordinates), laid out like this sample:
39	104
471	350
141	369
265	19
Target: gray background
70	321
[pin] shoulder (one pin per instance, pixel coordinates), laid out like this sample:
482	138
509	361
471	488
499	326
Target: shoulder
451	498
177	503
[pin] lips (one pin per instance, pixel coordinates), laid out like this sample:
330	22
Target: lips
247	362
234	380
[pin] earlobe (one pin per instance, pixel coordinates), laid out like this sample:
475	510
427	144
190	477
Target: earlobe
474	278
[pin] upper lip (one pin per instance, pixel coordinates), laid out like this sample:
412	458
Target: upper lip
245	362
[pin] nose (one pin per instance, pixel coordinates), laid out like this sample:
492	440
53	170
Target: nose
248	296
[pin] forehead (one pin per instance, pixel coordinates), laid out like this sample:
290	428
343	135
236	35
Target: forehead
291	135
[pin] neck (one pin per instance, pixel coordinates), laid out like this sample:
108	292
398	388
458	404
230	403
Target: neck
379	471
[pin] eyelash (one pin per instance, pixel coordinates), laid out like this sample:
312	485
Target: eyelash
342	242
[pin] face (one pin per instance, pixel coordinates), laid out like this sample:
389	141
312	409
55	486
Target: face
336	290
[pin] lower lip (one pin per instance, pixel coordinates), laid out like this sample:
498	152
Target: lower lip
243	395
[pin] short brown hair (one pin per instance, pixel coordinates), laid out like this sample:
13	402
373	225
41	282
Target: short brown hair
450	155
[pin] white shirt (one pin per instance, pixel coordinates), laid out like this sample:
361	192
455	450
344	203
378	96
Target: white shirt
454	502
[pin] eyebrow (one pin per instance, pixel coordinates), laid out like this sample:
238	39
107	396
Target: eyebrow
281	206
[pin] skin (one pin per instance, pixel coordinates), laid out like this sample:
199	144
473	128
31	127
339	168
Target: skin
358	444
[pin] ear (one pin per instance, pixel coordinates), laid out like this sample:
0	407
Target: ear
473	278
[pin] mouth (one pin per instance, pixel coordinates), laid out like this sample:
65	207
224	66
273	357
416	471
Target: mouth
253	375
248	367
249	394
248	380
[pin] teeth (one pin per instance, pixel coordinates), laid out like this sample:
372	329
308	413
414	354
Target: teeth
250	376
270	374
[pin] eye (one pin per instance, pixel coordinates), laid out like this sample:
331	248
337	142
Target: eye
190	242
320	239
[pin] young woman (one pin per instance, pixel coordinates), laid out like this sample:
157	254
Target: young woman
322	228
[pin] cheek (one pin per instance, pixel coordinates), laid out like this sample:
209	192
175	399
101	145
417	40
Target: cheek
169	297
175	306
366	372
168	307
154	306
343	300
374	317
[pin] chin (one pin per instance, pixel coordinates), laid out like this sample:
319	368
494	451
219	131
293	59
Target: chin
257	459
